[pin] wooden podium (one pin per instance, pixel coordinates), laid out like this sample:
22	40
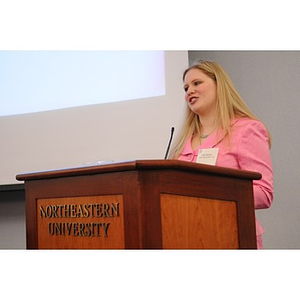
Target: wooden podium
143	204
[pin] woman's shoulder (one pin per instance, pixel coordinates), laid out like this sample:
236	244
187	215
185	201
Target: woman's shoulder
248	122
247	127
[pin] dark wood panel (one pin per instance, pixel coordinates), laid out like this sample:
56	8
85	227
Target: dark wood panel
123	183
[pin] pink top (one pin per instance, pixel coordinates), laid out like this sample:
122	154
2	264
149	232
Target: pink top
249	150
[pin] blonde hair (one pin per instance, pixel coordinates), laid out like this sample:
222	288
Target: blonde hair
229	106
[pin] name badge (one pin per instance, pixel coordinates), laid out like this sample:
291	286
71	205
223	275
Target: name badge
208	156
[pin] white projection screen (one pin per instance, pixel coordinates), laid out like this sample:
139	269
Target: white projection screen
36	81
63	109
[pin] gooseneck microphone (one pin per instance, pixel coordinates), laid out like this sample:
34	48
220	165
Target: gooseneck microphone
170	141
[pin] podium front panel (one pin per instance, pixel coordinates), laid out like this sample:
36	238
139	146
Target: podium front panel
198	223
92	222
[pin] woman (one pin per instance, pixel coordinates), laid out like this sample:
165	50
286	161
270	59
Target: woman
217	117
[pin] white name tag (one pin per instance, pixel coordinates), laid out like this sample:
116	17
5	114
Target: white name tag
208	156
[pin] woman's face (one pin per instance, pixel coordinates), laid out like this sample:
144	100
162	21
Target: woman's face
200	92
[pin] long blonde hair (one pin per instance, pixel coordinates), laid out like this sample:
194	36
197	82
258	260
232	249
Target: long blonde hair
229	106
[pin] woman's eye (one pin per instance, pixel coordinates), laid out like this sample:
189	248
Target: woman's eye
195	83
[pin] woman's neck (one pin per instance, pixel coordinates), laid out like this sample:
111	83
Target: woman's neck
208	124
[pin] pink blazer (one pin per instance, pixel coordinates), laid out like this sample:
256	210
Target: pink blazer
249	150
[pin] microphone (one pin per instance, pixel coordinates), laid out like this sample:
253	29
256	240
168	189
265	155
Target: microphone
170	141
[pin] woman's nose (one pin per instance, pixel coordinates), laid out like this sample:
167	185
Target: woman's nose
191	91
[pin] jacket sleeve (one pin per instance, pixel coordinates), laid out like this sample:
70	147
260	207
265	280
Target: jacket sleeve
254	155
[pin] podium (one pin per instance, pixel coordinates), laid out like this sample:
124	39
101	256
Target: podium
142	204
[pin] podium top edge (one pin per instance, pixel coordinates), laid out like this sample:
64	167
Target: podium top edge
139	165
